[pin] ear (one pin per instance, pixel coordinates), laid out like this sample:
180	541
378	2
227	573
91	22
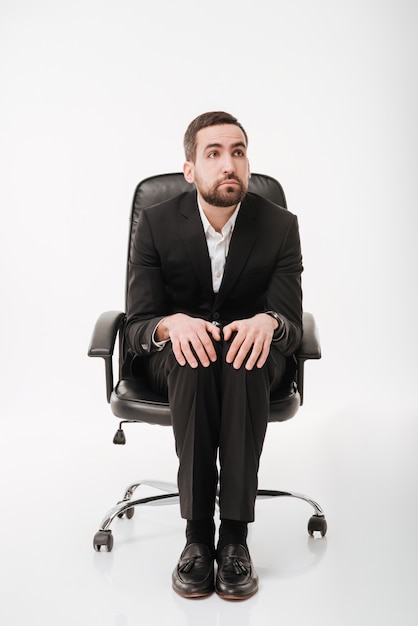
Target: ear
188	171
249	172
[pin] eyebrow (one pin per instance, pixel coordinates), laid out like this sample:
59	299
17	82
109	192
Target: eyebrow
238	144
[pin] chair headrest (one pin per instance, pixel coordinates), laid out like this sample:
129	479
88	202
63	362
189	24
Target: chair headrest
162	187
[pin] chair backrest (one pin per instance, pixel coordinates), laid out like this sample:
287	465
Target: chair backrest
159	188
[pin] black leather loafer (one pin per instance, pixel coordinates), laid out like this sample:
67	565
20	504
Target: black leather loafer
236	578
195	572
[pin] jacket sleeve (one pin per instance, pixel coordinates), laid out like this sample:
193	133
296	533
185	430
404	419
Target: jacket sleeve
285	290
145	290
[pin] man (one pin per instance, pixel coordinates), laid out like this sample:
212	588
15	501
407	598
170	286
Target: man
215	306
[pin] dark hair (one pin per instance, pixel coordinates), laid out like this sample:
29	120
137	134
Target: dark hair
214	118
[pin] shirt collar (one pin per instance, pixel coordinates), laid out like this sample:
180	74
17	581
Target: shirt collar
229	226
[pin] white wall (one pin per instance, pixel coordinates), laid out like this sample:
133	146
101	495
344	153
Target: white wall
96	95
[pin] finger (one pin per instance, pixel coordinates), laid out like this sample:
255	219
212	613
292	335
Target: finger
198	349
192	357
249	358
234	348
175	344
182	349
228	330
214	332
264	355
251	353
245	351
204	348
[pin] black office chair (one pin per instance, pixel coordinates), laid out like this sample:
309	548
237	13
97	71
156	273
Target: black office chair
132	400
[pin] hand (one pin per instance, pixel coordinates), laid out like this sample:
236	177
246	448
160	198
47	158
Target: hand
253	339
190	339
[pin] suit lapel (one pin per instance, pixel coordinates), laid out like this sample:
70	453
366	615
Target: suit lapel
191	229
242	241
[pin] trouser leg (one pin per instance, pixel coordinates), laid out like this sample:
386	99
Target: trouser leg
217	407
194	396
244	418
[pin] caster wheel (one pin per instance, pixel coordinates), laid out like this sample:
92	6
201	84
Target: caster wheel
317	523
103	539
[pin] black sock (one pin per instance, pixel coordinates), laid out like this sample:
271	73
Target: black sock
232	531
201	531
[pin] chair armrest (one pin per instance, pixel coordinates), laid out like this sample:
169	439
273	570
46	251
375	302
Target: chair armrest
102	343
309	348
104	334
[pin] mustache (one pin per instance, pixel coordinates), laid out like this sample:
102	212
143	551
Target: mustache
230	177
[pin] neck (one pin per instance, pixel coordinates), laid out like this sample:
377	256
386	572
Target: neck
217	215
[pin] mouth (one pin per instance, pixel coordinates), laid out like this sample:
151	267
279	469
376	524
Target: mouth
229	182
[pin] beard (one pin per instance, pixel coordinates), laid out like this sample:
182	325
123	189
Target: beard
223	196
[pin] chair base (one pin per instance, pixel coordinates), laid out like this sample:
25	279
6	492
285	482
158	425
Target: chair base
126	508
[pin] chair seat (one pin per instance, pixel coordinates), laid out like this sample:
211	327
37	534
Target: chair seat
134	400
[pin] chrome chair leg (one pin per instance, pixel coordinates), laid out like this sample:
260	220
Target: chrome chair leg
126	508
316	523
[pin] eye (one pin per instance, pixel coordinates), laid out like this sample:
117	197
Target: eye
239	153
212	155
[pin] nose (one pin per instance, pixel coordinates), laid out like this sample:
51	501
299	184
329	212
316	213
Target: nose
228	164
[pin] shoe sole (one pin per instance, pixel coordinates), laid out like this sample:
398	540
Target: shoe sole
227	596
196	594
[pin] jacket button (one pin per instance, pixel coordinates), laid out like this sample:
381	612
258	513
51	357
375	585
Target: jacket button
216	315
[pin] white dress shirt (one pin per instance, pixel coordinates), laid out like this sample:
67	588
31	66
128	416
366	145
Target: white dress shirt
218	245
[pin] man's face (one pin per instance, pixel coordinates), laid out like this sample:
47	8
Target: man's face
221	170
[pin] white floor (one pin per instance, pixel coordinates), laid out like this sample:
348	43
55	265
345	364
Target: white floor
61	473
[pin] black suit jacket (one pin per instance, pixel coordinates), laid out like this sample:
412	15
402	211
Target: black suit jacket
169	269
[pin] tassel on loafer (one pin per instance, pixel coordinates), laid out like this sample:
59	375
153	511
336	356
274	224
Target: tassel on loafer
236	578
194	574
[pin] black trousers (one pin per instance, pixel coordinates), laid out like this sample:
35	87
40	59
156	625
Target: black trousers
217	410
